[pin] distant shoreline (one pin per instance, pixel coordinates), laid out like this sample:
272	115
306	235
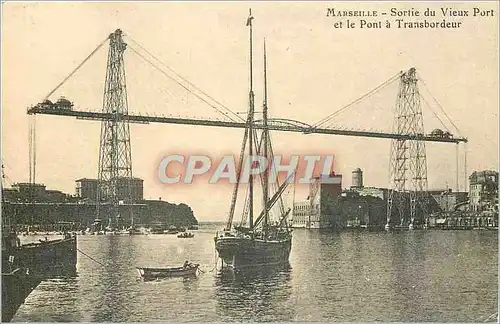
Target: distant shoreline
211	222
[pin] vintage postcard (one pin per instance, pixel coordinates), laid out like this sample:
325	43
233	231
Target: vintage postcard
250	161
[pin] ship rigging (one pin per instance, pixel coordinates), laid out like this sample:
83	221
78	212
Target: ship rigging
256	241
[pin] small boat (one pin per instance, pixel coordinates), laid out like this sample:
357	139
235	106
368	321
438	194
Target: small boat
154	273
122	232
136	231
156	230
185	235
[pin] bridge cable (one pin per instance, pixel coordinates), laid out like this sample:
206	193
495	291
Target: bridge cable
170	94
179	83
76	69
375	90
434	113
439	105
184	79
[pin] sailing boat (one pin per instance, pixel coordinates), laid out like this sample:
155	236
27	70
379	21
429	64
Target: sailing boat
258	242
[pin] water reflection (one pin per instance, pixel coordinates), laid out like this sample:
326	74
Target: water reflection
185	278
60	273
336	276
190	283
113	282
255	293
408	275
40	306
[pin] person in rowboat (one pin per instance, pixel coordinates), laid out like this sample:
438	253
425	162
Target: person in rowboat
189	265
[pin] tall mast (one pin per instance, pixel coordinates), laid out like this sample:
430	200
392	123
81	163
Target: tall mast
265	143
250	125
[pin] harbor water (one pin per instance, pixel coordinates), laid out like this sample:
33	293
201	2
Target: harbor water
424	276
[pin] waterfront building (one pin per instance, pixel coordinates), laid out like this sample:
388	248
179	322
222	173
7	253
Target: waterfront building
132	185
87	189
371	191
329	206
301	214
56	196
31	193
448	200
358	186
479	211
357	178
356	210
315	212
26	191
323	192
483	190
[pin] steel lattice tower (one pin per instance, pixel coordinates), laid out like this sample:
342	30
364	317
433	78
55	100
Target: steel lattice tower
115	157
408	155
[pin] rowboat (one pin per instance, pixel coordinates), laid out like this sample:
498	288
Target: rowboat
185	235
153	273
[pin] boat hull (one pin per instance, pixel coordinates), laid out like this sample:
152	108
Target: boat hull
154	273
46	259
239	252
16	286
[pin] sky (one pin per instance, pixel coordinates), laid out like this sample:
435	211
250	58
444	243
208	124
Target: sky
314	69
